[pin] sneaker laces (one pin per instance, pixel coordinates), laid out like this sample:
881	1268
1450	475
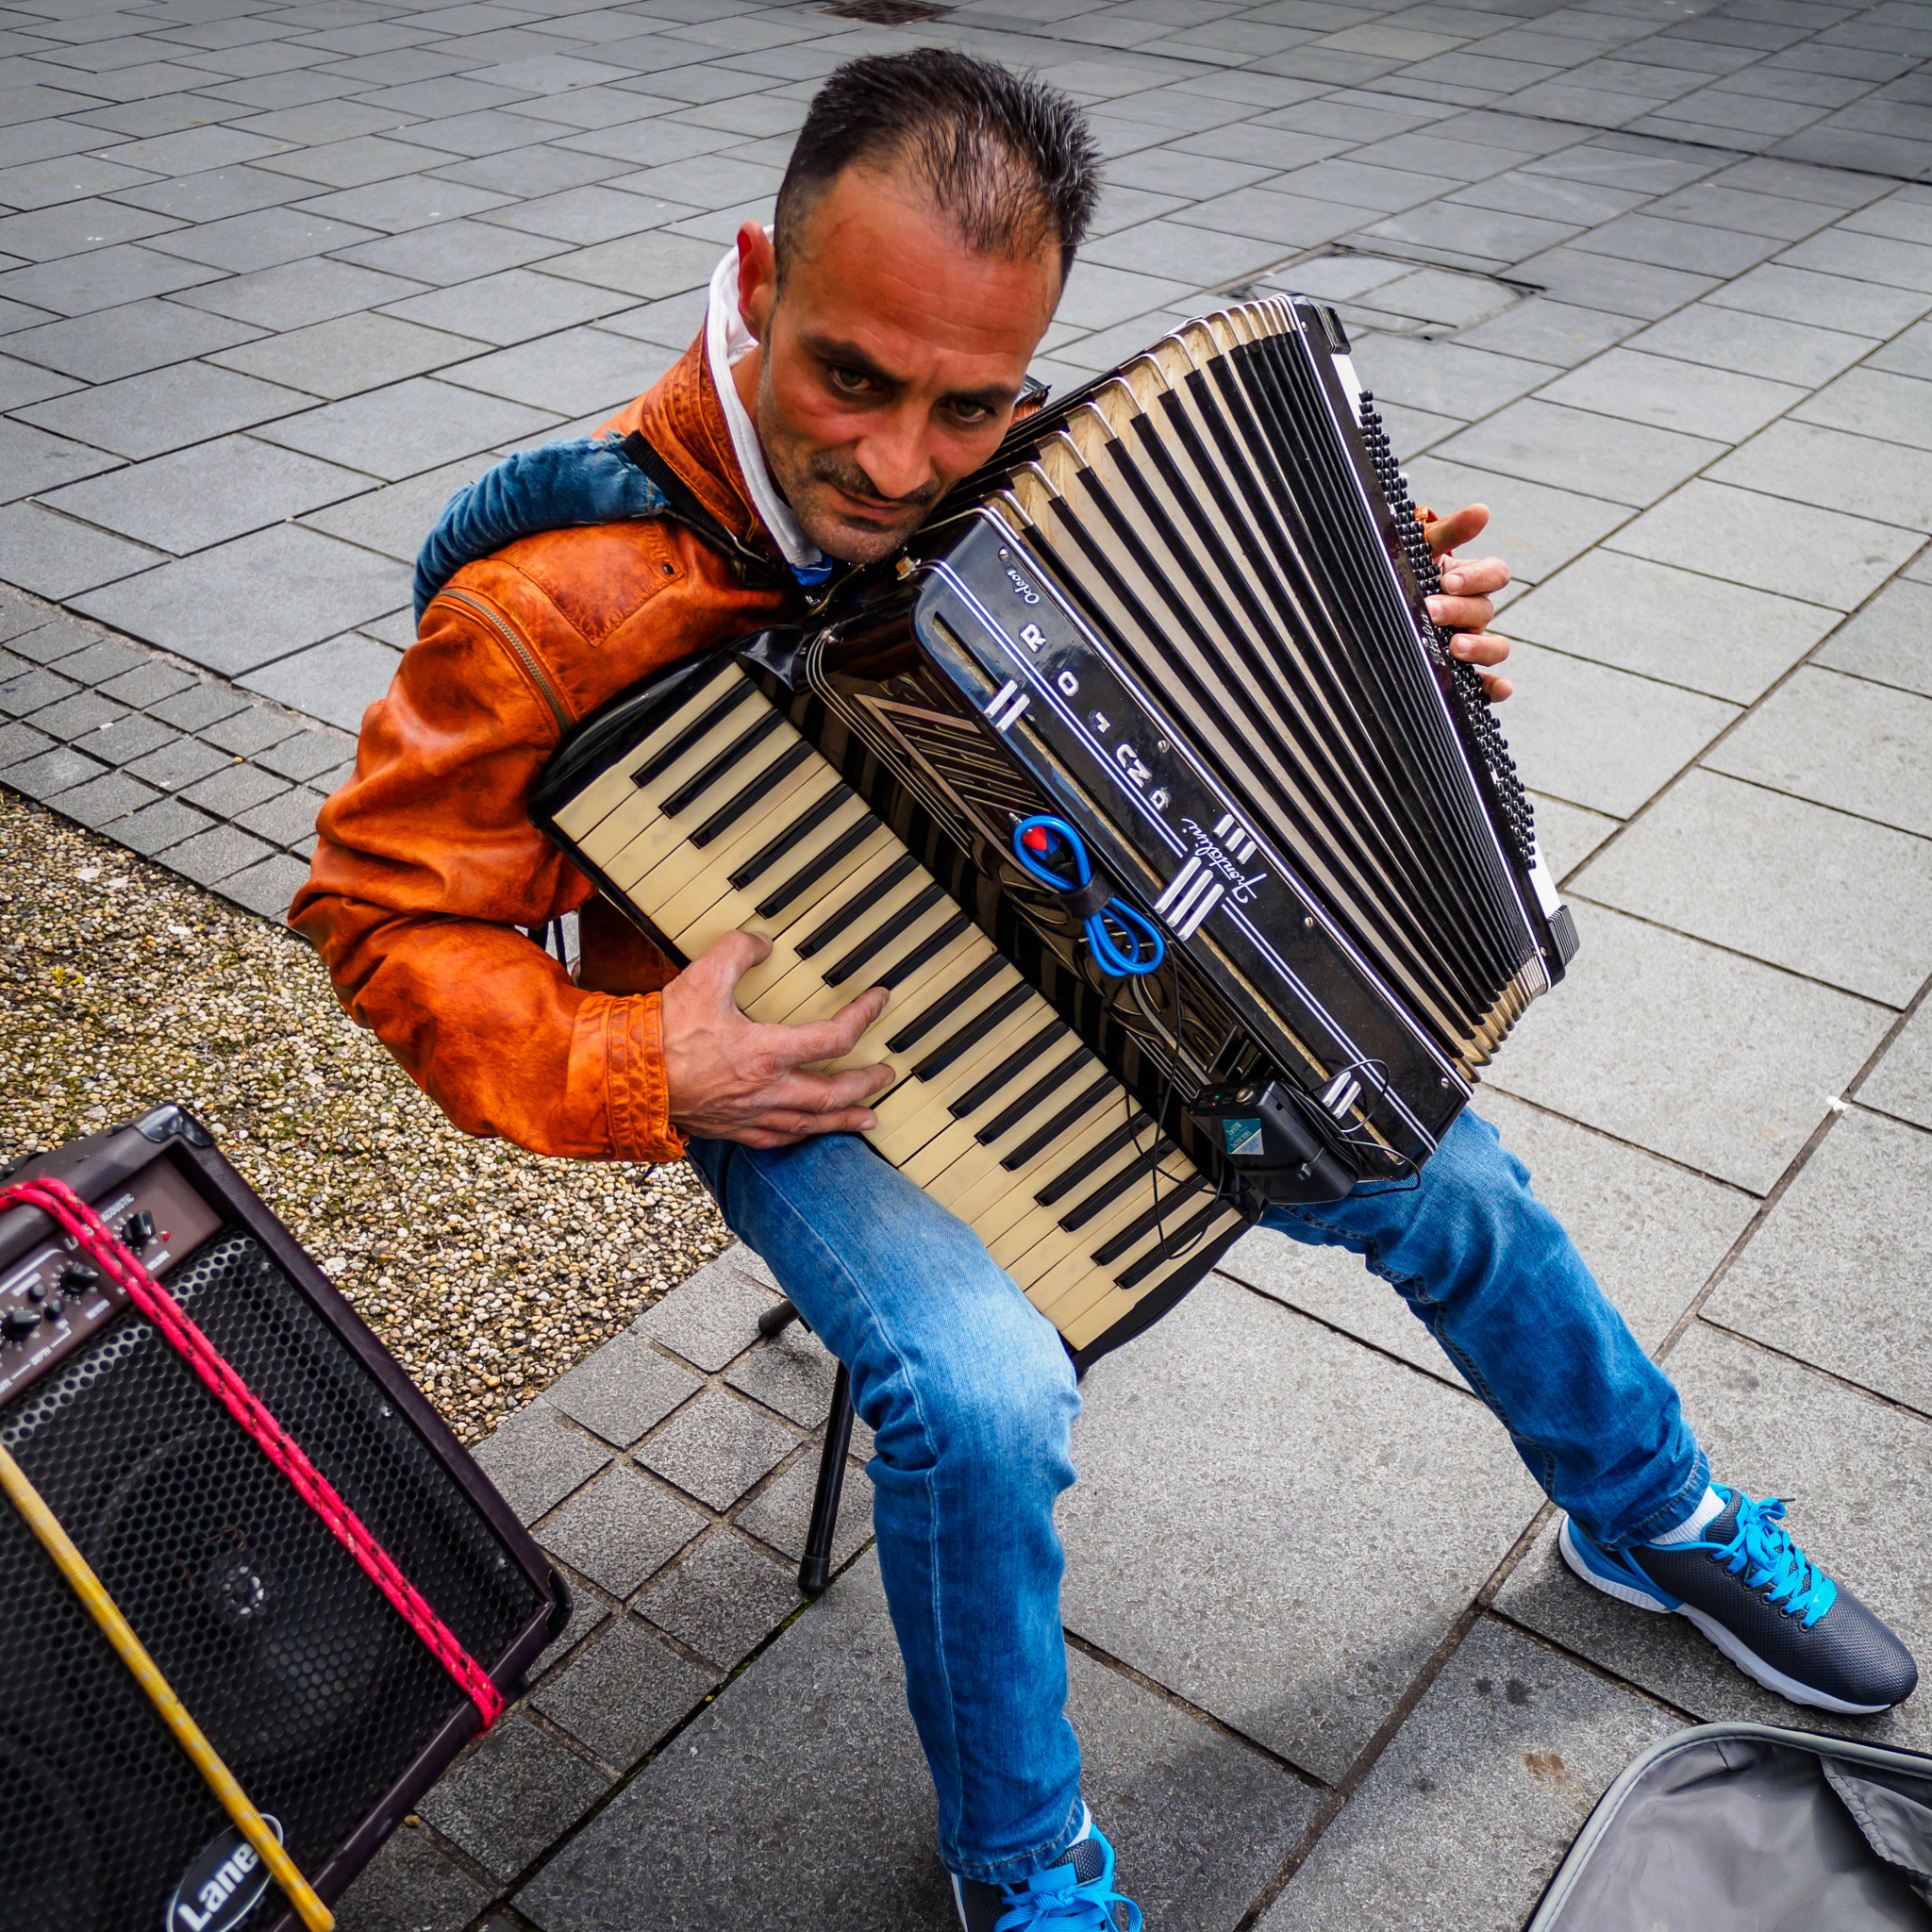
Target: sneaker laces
1056	1901
1776	1565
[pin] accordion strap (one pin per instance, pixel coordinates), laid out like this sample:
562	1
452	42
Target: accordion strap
58	1201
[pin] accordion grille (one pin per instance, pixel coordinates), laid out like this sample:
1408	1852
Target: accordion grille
1199	511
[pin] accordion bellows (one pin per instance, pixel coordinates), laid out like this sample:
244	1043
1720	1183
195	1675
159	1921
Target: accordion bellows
1182	610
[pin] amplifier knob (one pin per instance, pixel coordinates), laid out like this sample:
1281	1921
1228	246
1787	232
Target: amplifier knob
138	1230
18	1323
79	1275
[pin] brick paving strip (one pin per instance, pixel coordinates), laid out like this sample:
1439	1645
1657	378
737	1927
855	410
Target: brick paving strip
1648	277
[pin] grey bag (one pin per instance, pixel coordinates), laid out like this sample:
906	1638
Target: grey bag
1744	1828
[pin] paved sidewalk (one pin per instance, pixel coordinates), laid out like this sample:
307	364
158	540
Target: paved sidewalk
1646	276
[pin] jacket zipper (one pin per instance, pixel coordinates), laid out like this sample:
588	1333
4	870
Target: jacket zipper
501	628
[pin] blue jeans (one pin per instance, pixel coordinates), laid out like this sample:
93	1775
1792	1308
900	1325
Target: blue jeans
970	1399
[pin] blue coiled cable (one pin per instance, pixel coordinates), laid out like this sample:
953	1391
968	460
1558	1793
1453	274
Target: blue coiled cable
1109	954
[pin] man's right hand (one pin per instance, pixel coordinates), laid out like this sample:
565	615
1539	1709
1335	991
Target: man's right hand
736	1080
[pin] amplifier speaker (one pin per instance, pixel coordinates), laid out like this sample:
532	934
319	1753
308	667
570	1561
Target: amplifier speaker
330	1709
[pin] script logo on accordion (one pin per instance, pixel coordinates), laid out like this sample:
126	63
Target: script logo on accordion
1210	874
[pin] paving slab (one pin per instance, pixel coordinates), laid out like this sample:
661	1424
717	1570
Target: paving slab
214	608
1670	625
623	1389
1841	741
1759	345
195	498
1709	1059
1721	405
1600	738
1468	1812
1773	1428
1187	1579
1834	1276
336	681
712	1317
1901	1083
512	1796
1650	1233
536	1458
1198	1822
717	1449
348	354
623	1693
620	1530
413	425
1573	449
1817	892
32	461
1567	835
792	1374
724	1600
113	343
573	372
780	1513
1807	463
301	292
411	1886
162	409
1795	550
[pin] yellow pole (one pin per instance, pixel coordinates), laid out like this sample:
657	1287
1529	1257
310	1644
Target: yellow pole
120	1633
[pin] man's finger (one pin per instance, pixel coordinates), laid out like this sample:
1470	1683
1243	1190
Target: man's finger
833	1039
730	957
1495	686
790	1124
824	1094
1480	647
1463	526
1479	577
1461	613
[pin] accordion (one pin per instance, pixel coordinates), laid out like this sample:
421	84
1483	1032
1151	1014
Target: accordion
1198	870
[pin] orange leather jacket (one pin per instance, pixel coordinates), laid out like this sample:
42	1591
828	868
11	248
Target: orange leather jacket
428	863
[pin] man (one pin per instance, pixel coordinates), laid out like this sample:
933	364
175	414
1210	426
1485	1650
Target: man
851	366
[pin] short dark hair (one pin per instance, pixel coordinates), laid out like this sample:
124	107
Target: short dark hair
1007	159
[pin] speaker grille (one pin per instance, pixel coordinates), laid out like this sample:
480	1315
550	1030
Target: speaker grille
307	1681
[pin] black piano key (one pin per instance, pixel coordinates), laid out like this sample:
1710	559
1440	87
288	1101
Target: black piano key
928	948
766	857
856	907
970	1035
1171	1200
875	942
1104	1091
1096	1157
666	755
744	743
1177	1242
735	807
1008	1069
1115	1186
945	1006
808	874
1043	1089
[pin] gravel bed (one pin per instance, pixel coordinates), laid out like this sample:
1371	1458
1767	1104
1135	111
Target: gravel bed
486	1270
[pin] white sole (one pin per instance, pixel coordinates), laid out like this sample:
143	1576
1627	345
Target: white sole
1726	1640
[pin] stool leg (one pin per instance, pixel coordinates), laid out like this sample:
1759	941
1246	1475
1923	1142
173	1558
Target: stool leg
815	1570
774	1321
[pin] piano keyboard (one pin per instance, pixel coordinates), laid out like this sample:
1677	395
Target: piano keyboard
722	818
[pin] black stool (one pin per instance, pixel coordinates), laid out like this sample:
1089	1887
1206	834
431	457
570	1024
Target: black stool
815	1566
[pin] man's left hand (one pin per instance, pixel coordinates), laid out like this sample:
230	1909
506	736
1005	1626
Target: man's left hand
1469	588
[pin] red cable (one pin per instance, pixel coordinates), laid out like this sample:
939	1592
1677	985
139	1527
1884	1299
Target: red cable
59	1202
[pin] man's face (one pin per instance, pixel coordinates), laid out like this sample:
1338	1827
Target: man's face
887	368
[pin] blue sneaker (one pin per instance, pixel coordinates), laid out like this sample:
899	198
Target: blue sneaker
1755	1593
1073	1894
